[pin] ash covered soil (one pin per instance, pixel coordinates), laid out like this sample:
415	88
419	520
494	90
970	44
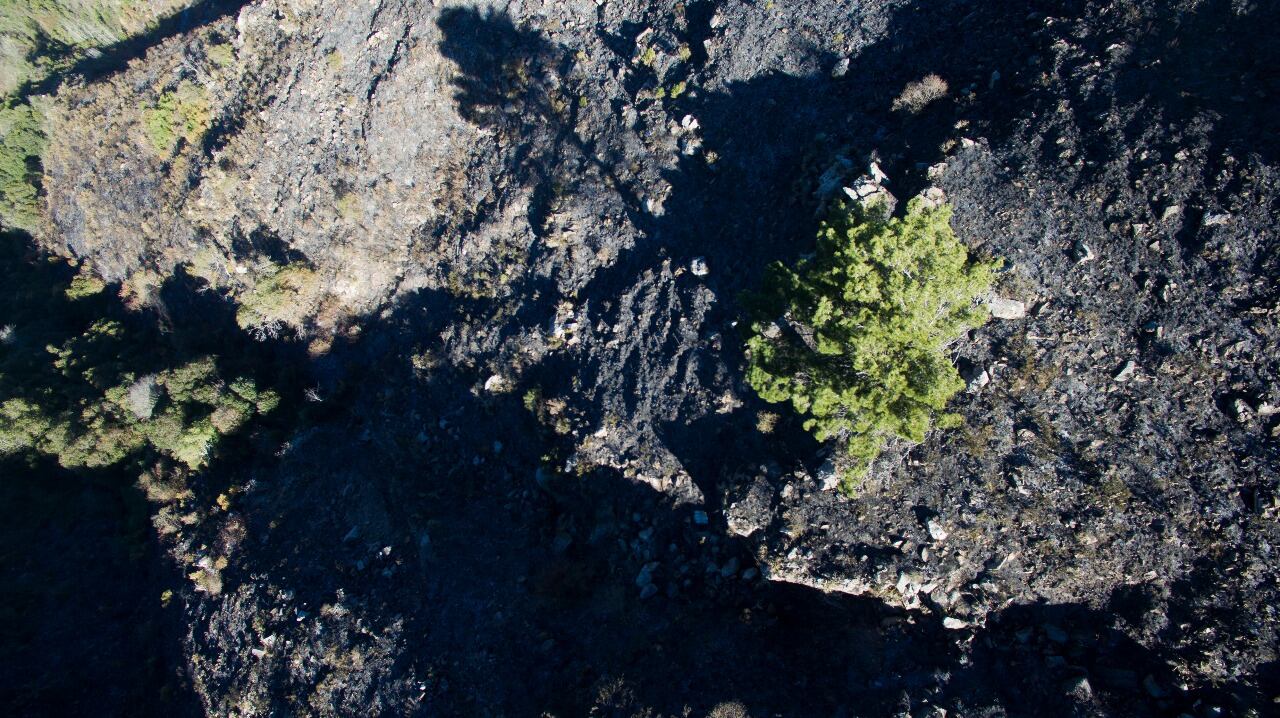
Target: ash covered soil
532	479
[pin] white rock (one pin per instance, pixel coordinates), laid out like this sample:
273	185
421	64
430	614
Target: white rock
841	68
1126	373
495	384
936	531
980	381
953	624
699	267
933	197
828	477
868	193
1002	308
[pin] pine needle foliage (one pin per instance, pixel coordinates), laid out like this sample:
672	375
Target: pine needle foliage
855	338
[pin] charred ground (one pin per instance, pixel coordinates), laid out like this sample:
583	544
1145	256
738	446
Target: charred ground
407	536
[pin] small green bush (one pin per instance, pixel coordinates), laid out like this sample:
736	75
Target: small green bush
869	319
85	285
183	113
221	54
277	298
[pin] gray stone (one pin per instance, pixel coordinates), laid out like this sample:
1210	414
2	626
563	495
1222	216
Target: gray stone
645	577
936	531
1126	372
1079	687
828	477
933	197
1003	308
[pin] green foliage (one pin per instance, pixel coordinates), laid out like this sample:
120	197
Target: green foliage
222	54
84	285
278	297
22	141
93	390
871	315
183	113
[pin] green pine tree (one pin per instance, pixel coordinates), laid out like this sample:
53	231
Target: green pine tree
862	353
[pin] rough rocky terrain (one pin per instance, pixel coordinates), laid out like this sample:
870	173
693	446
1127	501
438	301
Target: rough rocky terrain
531	479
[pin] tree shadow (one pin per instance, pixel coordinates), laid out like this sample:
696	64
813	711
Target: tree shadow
518	583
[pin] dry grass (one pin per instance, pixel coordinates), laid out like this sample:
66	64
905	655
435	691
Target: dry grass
731	709
916	95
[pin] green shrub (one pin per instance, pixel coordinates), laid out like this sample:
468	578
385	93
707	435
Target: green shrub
277	298
193	410
85	285
221	54
22	141
81	382
183	113
868	320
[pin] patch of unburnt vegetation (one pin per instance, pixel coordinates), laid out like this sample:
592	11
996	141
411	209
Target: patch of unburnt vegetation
22	142
83	383
183	113
856	338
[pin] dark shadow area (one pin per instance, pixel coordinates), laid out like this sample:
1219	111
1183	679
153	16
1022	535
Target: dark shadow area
517	583
81	579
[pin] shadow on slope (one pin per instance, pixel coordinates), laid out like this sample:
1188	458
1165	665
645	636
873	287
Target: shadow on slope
518	588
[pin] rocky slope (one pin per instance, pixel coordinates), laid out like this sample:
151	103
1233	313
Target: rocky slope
536	481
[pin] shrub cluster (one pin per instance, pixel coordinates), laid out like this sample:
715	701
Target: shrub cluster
81	382
278	298
101	415
855	338
183	113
